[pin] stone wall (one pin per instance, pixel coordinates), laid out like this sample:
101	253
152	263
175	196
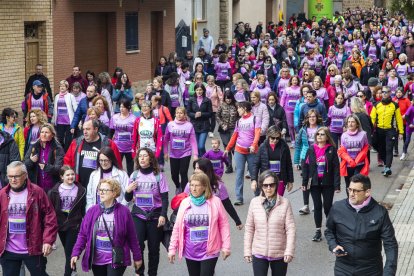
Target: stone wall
352	4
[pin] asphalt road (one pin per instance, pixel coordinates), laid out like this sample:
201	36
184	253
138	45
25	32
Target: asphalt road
311	258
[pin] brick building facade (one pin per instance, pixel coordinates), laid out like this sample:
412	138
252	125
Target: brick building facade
93	34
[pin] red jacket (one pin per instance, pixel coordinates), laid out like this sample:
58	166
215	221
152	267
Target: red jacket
41	222
72	156
403	104
157	137
347	160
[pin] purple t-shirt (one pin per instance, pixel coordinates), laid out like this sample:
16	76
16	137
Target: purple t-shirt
310	132
289	99
180	139
37	104
322	94
67	196
393	85
217	160
221	192
354	142
337	116
62	112
123	131
239	96
222	71
264	91
147	195
16	236
175	96
35	134
281	86
245	127
103	246
196	231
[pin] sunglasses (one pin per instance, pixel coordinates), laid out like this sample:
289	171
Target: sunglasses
269	186
360	96
385	92
277	138
320	134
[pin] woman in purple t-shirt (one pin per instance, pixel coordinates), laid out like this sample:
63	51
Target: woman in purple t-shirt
148	189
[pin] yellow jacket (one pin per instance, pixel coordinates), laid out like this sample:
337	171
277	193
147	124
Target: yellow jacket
385	116
18	137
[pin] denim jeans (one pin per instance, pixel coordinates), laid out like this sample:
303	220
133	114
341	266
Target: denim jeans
201	138
240	161
12	262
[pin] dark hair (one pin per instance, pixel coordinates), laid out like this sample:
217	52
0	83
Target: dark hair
108	152
246	105
173	79
117	69
185	65
126	103
153	160
89	72
359	178
164	57
7	112
222	58
119	82
200	85
313	92
263	176
272	94
197	64
229	95
206	166
64	169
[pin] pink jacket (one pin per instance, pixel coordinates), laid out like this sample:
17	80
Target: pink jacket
219	229
273	236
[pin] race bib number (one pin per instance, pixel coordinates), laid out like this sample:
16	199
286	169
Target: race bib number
62	111
103	244
216	164
124	136
17	225
274	166
174	97
178	144
337	122
199	234
89	162
321	168
291	103
144	200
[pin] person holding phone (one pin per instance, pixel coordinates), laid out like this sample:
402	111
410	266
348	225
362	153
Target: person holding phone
359	251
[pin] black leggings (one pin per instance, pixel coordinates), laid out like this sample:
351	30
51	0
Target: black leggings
305	193
147	230
319	192
129	162
68	239
351	172
212	121
201	268
64	136
179	168
261	266
386	140
107	270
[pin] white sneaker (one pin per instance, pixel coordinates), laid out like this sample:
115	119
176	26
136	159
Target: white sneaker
403	156
211	135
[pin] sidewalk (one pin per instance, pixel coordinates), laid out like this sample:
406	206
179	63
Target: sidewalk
402	216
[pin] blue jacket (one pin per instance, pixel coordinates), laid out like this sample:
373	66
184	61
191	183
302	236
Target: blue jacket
80	113
301	146
315	105
296	113
118	95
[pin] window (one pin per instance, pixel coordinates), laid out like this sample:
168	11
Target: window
200	8
131	31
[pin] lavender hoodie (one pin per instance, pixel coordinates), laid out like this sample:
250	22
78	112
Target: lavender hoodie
180	138
124	235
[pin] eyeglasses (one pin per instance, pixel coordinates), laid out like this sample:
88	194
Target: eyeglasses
360	96
320	134
274	138
269	186
104	191
104	160
385	92
354	191
15	176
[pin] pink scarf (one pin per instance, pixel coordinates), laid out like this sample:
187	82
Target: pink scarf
62	94
360	206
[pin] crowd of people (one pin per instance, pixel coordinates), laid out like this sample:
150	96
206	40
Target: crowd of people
316	96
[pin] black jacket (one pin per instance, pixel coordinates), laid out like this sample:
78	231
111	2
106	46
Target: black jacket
261	162
372	73
73	219
53	164
201	124
9	152
277	117
362	235
366	125
331	172
165	72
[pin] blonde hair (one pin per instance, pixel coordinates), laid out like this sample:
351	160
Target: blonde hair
64	82
50	127
41	116
243	83
357	106
94	109
204	181
255	93
328	135
114	184
182	109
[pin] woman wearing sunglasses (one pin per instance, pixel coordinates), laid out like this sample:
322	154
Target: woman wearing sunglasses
321	176
270	218
274	155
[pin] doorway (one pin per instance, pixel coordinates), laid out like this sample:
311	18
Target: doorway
31	41
156	38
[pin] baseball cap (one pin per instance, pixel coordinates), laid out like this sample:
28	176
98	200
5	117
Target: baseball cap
37	83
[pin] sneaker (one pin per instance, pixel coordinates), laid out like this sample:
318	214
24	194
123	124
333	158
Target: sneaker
318	236
229	169
403	157
247	176
387	172
380	163
373	150
396	153
211	135
238	203
304	210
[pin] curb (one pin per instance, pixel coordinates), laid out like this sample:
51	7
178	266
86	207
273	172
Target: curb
402	195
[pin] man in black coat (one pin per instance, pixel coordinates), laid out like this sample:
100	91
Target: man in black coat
357	228
38	75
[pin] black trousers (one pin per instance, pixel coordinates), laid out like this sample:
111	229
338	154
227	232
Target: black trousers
179	169
201	268
68	239
64	136
336	137
129	161
213	122
261	266
11	263
148	231
305	193
225	139
386	140
351	172
107	270
319	192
